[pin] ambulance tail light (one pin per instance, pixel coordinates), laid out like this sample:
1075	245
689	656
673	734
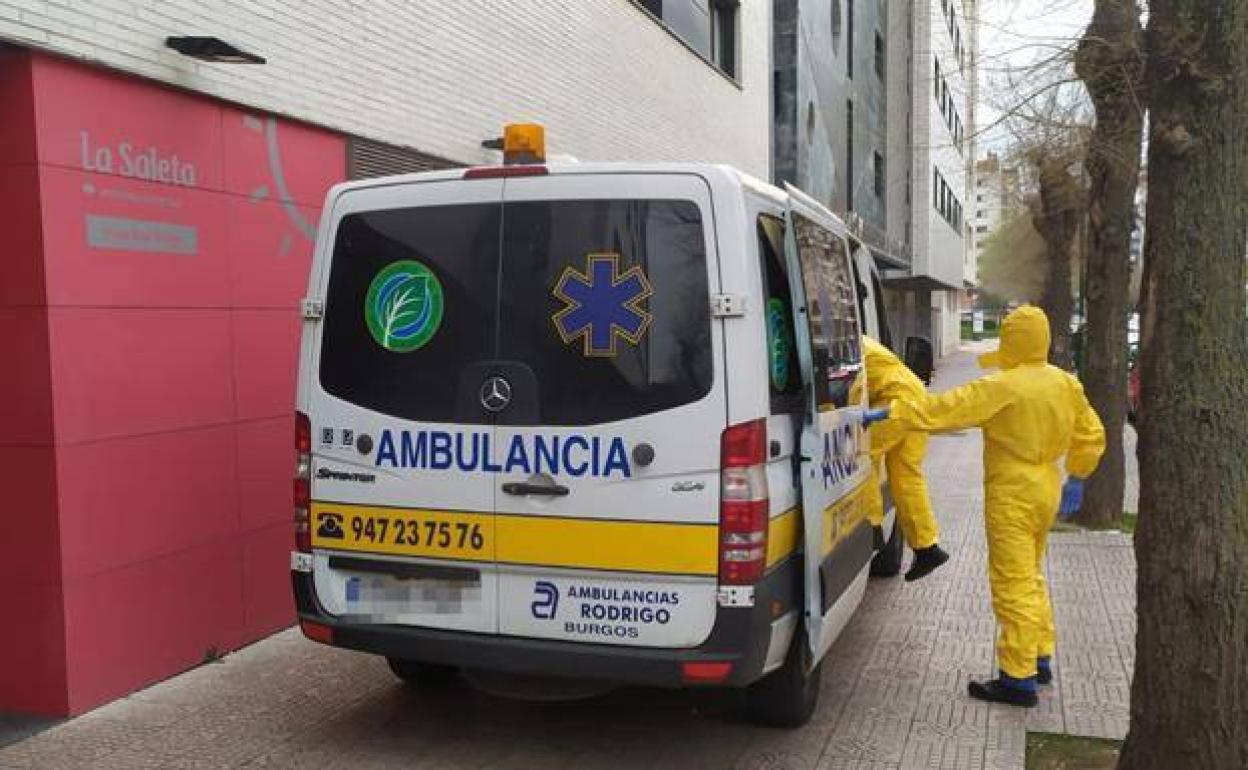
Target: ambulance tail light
743	504
303	482
317	632
705	672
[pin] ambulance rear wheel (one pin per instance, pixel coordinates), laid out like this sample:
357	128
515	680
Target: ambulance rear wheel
417	674
787	697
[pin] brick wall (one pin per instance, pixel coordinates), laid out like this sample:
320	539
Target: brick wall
607	80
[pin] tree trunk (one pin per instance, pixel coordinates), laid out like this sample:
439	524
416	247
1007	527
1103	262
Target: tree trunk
1189	697
1057	220
1110	61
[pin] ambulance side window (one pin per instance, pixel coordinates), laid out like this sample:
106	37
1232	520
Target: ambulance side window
832	313
782	366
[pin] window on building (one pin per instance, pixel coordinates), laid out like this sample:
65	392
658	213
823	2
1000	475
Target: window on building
879	55
708	27
849	155
724	35
981	229
879	175
849	39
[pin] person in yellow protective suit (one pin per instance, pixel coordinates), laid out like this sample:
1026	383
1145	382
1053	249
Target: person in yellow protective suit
901	452
1032	415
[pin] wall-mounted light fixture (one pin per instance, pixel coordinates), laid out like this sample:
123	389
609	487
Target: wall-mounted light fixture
212	49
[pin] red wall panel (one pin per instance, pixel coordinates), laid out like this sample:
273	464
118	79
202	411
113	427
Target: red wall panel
289	161
269	254
266	461
267	601
131	499
148	620
153	307
17	130
23	261
100	121
266	359
26	388
32	663
126	372
32	658
114	241
31	532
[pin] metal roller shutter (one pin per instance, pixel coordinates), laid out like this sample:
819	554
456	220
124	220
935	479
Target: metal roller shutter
367	158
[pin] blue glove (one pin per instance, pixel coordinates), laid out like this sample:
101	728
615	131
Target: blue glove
1072	497
872	416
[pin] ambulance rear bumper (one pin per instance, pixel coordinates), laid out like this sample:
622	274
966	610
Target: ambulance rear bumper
740	637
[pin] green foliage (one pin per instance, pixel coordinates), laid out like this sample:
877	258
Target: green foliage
1013	265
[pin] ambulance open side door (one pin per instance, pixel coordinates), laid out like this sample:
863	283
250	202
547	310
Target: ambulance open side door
827	335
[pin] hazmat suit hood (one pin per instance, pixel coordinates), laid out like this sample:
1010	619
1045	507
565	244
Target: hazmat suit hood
1024	340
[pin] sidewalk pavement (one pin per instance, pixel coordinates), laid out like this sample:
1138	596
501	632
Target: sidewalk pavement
894	688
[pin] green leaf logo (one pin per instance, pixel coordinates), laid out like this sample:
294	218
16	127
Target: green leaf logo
403	308
778	343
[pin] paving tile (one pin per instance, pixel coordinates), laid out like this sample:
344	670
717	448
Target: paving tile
893	693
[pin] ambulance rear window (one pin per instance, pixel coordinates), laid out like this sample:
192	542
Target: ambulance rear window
607	302
591	310
410	310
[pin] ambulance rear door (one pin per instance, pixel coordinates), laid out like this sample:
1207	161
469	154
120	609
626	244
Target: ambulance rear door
607	500
402	496
837	538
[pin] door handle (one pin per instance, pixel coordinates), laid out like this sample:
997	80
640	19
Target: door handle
523	488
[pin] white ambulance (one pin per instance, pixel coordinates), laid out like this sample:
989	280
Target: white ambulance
587	420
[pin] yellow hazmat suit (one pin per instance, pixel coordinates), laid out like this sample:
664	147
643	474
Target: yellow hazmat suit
901	451
1032	415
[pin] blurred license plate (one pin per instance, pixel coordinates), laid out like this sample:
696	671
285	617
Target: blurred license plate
388	596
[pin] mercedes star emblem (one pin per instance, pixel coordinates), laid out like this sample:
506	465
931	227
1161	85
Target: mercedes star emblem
495	394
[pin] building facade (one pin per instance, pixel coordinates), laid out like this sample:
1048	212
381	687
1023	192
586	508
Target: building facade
942	152
162	212
874	116
998	196
831	111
